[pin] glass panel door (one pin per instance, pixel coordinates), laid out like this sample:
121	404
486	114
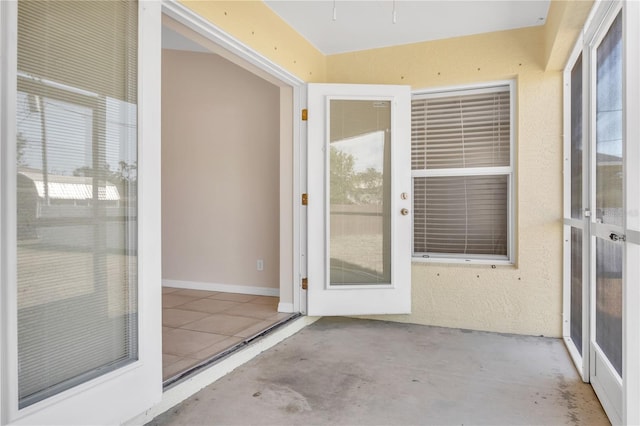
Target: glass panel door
607	227
77	199
359	183
80	307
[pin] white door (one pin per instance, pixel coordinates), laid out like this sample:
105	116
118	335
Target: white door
607	226
359	185
80	306
576	218
601	208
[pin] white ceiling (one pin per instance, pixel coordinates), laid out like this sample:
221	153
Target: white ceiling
367	24
176	41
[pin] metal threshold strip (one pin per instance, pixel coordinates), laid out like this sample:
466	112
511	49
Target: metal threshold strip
178	378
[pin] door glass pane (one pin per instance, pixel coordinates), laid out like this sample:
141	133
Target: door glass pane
576	140
576	288
609	300
76	193
609	173
359	188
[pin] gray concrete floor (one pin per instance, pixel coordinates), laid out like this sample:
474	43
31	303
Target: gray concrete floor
342	371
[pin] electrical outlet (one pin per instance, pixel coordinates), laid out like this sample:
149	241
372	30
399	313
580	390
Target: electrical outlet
260	265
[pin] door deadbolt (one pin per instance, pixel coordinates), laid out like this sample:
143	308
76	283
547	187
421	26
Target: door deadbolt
616	237
404	196
404	212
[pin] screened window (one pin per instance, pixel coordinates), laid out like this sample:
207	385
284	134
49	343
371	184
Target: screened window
461	160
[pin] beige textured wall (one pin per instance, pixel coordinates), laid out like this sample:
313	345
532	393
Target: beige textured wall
220	172
255	24
525	298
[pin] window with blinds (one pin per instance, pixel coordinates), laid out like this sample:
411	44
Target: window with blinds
461	150
76	233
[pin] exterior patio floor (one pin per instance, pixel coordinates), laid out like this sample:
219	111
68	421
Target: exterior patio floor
344	371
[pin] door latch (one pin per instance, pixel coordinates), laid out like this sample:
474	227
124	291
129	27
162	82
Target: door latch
617	237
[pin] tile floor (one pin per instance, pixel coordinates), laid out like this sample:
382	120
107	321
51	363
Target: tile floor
197	324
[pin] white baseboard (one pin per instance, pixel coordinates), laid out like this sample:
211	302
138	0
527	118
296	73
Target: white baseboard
225	288
285	307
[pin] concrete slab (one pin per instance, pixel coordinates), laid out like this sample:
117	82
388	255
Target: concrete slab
352	371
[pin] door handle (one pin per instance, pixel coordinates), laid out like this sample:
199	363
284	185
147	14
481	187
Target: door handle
404	212
617	237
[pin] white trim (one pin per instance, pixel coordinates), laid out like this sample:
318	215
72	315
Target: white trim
302	188
8	82
464	259
3	107
605	384
631	291
197	23
574	223
225	288
632	237
193	384
298	252
573	352
286	308
470	171
469	89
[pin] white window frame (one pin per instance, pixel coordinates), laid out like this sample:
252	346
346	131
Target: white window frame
508	171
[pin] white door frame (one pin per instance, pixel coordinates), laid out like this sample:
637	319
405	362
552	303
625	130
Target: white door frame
631	291
135	386
244	56
601	17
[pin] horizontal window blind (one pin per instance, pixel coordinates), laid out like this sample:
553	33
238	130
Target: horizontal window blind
461	166
461	131
76	193
461	215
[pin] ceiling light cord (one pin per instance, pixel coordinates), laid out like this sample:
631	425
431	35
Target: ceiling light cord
394	16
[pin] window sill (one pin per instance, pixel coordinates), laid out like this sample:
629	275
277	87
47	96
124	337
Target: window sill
463	261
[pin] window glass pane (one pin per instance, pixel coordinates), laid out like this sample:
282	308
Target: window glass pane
576	288
576	140
461	131
359	188
609	172
460	215
76	193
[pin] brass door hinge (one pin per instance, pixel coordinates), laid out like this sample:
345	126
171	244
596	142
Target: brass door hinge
304	114
305	283
305	199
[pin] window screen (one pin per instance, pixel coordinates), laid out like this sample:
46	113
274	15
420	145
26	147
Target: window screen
76	192
461	168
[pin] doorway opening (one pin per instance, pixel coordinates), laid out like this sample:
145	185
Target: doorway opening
227	268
